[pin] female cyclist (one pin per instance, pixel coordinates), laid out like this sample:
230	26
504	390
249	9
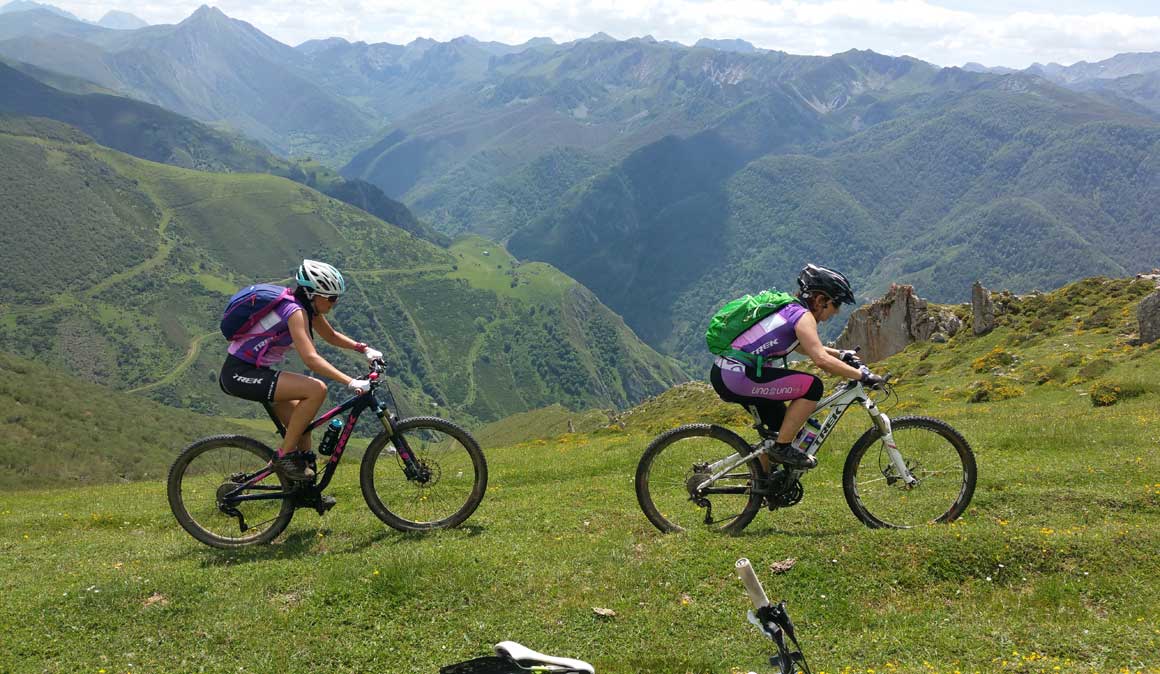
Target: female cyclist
294	397
795	326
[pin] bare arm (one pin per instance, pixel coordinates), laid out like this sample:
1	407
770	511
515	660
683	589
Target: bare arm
825	358
332	336
310	355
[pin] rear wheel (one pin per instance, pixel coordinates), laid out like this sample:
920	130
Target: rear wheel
672	469
206	478
449	484
935	454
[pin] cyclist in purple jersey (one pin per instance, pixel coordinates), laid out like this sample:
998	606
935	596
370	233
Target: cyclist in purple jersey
294	397
793	327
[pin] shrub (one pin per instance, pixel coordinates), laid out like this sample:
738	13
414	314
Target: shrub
990	391
1104	394
995	358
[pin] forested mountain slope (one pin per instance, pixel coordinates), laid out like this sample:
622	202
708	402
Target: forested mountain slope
1011	180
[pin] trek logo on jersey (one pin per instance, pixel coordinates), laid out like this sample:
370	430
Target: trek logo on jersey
767	346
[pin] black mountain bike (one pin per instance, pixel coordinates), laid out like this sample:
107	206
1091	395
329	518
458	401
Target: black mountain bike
418	474
901	473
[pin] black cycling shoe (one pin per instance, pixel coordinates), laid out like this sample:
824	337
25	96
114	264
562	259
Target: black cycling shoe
790	456
294	466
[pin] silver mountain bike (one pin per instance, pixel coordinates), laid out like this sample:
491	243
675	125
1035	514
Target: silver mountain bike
901	473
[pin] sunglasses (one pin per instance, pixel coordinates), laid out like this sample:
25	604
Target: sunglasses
333	299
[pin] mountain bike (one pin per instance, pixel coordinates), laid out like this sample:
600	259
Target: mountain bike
899	474
417	474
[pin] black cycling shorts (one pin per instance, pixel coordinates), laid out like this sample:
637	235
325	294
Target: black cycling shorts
248	381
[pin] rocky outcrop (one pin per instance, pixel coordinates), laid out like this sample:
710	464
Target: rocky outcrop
897	320
1154	275
982	309
1149	315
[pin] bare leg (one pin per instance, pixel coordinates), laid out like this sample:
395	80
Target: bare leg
285	411
795	417
308	394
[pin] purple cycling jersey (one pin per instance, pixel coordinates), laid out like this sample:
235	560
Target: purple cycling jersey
267	342
773	336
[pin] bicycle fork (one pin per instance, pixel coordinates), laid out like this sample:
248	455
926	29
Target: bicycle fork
882	422
412	469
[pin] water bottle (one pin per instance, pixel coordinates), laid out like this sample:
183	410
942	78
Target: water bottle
806	436
330	439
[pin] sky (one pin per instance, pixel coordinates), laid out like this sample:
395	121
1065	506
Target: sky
1012	33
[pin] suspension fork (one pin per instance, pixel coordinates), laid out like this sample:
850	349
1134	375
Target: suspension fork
411	467
882	422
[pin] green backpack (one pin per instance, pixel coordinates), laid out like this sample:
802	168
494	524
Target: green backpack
738	316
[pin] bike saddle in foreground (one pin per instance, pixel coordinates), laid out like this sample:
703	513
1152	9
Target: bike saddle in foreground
513	658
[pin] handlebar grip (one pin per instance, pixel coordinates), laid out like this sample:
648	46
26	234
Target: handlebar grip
752	584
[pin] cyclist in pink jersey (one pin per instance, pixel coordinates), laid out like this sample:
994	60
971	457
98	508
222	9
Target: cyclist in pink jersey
793	327
295	398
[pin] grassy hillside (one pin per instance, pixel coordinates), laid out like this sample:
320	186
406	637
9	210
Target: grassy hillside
150	132
120	268
58	430
1052	569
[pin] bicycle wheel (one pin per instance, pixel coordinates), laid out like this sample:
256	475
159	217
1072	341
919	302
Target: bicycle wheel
677	462
934	453
451	483
209	469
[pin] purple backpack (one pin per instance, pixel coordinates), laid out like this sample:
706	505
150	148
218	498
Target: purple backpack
249	305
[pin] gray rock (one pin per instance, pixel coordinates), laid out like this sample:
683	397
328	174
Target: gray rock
1149	316
982	309
890	324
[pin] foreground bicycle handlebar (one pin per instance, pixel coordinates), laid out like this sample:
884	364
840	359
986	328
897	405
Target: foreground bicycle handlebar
773	621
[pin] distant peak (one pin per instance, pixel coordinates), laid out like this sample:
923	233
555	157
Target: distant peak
734	45
121	20
599	37
207	12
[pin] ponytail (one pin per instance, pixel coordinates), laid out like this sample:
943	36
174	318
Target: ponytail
307	306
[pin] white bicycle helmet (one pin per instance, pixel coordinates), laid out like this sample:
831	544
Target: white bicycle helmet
320	278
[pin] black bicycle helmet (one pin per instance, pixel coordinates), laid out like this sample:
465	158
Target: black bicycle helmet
828	282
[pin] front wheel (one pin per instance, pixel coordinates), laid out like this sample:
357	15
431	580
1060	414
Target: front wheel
935	454
673	468
208	479
446	485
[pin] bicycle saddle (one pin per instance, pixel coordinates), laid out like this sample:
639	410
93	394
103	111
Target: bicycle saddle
526	658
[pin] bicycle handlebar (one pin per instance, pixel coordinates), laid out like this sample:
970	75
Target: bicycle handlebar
752	584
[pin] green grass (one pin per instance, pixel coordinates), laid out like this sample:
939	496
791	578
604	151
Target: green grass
1055	558
1053	567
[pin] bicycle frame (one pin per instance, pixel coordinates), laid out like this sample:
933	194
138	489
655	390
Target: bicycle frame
356	405
837	402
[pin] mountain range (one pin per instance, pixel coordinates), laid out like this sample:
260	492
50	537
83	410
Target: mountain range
669	178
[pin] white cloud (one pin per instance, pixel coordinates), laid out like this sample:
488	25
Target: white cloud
921	28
